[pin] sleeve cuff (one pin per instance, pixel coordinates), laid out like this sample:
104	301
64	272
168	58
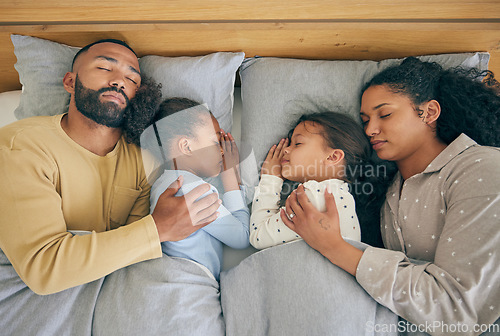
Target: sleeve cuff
376	268
151	235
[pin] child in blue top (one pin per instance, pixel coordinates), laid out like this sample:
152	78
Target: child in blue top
188	140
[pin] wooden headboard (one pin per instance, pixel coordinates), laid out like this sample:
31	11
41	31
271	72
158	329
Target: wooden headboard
311	29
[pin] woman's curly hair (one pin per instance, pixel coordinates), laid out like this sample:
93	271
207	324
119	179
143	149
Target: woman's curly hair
142	110
468	105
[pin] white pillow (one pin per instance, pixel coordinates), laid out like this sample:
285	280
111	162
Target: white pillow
41	65
8	102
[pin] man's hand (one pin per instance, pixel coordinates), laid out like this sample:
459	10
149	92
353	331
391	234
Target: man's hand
178	217
272	163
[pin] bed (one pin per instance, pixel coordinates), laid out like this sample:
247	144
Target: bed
249	53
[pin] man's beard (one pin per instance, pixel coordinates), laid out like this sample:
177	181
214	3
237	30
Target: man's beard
108	114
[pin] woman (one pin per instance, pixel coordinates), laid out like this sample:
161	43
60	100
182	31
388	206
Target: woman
442	208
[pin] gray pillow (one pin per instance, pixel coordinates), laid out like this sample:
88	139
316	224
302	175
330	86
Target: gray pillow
276	91
42	64
207	79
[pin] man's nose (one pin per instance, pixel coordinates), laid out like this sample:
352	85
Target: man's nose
117	81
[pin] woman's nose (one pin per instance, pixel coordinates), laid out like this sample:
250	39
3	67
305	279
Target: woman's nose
372	128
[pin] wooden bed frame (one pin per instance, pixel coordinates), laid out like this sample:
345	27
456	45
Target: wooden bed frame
309	29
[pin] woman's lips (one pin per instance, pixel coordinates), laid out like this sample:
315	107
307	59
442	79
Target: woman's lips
284	161
376	144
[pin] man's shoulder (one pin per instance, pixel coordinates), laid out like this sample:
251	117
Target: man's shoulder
27	129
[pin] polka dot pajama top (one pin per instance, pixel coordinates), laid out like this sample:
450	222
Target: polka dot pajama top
266	227
447	218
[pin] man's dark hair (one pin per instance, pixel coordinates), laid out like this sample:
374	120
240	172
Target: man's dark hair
87	47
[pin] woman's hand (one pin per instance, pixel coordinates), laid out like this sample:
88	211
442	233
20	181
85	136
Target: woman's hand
321	230
272	163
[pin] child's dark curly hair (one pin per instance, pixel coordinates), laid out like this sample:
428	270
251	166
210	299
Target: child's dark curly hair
468	105
142	110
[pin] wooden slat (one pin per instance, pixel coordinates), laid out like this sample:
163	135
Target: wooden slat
208	10
323	40
313	29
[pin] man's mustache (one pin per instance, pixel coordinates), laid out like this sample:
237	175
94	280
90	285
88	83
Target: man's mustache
114	89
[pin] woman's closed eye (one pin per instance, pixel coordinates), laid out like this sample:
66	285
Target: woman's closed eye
105	69
385	115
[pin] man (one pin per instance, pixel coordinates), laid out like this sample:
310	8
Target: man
76	172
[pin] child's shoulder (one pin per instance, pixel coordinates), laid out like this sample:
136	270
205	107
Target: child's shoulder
332	185
190	182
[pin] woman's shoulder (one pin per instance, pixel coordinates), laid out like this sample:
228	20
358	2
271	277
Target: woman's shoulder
465	153
479	157
474	172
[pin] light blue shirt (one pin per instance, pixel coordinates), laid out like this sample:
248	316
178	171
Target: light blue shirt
205	245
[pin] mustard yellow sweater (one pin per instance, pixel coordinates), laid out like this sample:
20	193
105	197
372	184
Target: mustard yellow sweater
49	185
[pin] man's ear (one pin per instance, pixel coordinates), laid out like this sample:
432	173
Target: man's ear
432	111
184	146
69	82
335	157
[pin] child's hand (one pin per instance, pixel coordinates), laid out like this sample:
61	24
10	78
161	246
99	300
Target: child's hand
272	164
231	157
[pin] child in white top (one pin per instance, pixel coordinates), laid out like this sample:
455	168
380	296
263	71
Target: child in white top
324	151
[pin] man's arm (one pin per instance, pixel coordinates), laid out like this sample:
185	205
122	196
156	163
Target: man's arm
34	232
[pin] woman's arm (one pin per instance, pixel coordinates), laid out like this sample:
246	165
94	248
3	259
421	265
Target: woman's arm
459	286
460	281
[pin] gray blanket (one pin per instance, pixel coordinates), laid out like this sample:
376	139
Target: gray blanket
165	296
293	290
22	312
